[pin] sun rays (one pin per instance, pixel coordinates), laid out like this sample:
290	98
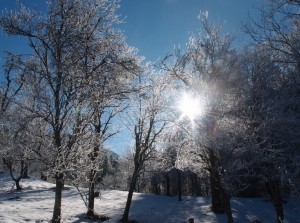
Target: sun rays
190	107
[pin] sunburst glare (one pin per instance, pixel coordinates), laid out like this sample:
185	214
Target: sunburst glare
191	107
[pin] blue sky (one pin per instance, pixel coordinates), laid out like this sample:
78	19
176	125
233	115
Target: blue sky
156	26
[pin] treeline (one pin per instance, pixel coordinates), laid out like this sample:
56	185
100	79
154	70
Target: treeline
80	85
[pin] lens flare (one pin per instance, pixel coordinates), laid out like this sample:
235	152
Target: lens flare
190	107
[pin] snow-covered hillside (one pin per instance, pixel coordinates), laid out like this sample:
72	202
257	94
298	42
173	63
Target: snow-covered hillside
35	203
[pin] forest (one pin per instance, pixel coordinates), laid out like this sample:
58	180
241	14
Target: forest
210	119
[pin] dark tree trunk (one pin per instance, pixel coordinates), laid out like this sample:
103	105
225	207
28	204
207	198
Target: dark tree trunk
168	184
59	181
137	187
226	205
127	207
191	220
216	200
92	178
44	177
179	184
18	187
194	184
93	173
273	187
10	165
129	197
155	186
279	209
25	174
228	211
222	201
91	195
17	180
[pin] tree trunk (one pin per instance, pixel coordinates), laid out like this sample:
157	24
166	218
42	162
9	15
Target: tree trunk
129	197
273	187
91	200
216	200
168	184
127	207
17	181
195	189
9	164
59	181
18	187
191	220
226	205
44	177
179	184
279	210
25	172
93	158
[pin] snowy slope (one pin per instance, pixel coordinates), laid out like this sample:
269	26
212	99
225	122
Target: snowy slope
35	203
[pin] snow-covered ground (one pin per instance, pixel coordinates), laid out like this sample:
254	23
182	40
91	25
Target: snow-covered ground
35	203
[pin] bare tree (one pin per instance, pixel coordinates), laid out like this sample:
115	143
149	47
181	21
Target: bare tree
17	148
66	43
146	118
175	155
267	112
12	81
209	70
274	72
107	64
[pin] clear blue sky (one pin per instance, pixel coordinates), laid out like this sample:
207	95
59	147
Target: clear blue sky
156	26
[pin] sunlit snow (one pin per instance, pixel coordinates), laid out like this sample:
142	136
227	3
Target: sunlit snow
35	203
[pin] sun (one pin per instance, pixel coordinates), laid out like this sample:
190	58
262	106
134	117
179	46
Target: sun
190	107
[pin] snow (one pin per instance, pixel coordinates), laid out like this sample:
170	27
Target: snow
35	204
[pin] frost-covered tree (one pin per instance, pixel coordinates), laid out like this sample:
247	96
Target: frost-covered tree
12	80
147	121
272	125
11	83
18	144
107	64
75	52
274	96
175	156
208	70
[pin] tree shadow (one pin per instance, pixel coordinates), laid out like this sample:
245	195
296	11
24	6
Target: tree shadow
85	218
162	209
